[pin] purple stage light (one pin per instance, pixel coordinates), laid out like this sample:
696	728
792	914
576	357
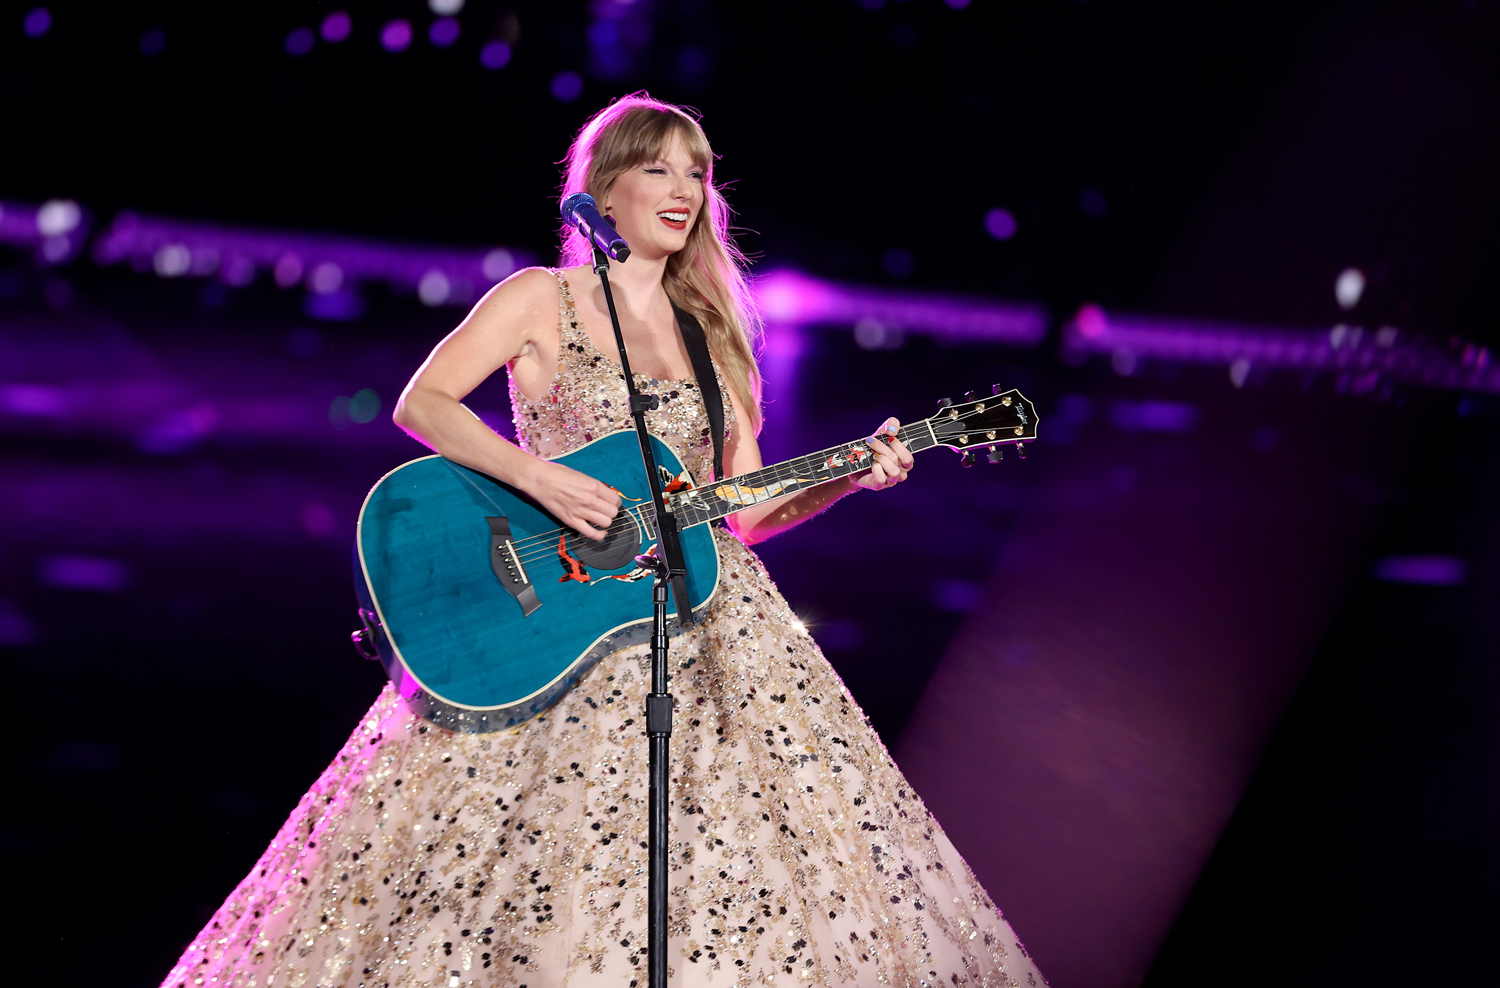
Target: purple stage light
1436	571
153	42
336	27
300	41
34	401
288	270
326	278
567	86
1152	416
396	36
37	23
443	32
16	629
328	265
793	298
337	306
84	573
495	55
958	4
1000	224
55	230
1360	358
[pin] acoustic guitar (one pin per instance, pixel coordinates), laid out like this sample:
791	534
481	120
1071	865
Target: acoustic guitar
484	609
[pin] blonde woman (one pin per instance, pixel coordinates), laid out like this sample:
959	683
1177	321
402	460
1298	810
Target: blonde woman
798	856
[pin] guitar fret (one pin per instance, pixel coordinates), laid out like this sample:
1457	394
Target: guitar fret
787	477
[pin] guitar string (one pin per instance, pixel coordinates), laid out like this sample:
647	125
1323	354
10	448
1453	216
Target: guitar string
543	545
549	549
546	542
548	539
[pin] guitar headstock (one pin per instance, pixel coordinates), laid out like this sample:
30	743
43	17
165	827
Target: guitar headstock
1005	418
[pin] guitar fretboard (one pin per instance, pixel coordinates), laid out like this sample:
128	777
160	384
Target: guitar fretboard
699	506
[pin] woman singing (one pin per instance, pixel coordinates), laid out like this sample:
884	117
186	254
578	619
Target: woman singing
799	855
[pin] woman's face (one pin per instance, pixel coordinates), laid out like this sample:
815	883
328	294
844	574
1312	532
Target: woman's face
655	204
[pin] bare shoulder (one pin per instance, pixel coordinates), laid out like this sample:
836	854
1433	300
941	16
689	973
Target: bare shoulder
530	289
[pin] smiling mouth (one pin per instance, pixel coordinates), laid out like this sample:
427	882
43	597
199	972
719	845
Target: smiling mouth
675	220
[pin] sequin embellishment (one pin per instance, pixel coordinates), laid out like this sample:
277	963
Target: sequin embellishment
799	854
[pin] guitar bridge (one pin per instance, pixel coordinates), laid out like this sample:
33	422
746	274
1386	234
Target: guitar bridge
506	563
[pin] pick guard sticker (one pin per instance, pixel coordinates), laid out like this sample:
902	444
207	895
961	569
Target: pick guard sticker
639	573
575	570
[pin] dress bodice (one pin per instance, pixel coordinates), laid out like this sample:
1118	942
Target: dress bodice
587	399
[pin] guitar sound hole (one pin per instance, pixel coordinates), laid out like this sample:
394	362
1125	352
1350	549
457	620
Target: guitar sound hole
618	548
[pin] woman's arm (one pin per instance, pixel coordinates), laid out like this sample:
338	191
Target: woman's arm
893	462
515	324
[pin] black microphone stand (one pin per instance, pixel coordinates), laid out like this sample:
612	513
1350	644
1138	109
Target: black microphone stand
670	569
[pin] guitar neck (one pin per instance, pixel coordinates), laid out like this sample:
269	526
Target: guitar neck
705	504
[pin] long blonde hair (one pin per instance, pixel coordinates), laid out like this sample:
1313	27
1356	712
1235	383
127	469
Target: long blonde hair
706	277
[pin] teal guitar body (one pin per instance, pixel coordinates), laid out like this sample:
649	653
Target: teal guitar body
483	610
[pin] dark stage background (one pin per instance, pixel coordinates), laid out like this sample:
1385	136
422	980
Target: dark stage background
1205	688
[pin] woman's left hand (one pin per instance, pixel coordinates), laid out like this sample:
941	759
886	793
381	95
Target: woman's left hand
893	461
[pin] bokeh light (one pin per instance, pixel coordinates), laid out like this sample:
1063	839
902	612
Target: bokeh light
237	272
172	261
495	55
434	287
58	216
443	32
1000	224
336	27
153	42
445	8
37	23
396	36
326	278
958	4
499	264
567	86
299	41
1092	202
1349	287
288	270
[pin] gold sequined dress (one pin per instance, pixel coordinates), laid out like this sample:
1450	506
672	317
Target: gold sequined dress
799	854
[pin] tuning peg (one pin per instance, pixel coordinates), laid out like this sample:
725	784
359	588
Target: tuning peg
968	396
994	389
995	454
1021	450
945	402
966	459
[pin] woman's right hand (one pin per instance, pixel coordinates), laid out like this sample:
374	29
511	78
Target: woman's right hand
584	504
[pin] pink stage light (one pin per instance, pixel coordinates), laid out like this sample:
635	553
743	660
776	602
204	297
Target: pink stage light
794	298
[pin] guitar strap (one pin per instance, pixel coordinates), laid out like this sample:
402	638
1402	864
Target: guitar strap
708	382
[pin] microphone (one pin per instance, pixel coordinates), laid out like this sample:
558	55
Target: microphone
579	212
